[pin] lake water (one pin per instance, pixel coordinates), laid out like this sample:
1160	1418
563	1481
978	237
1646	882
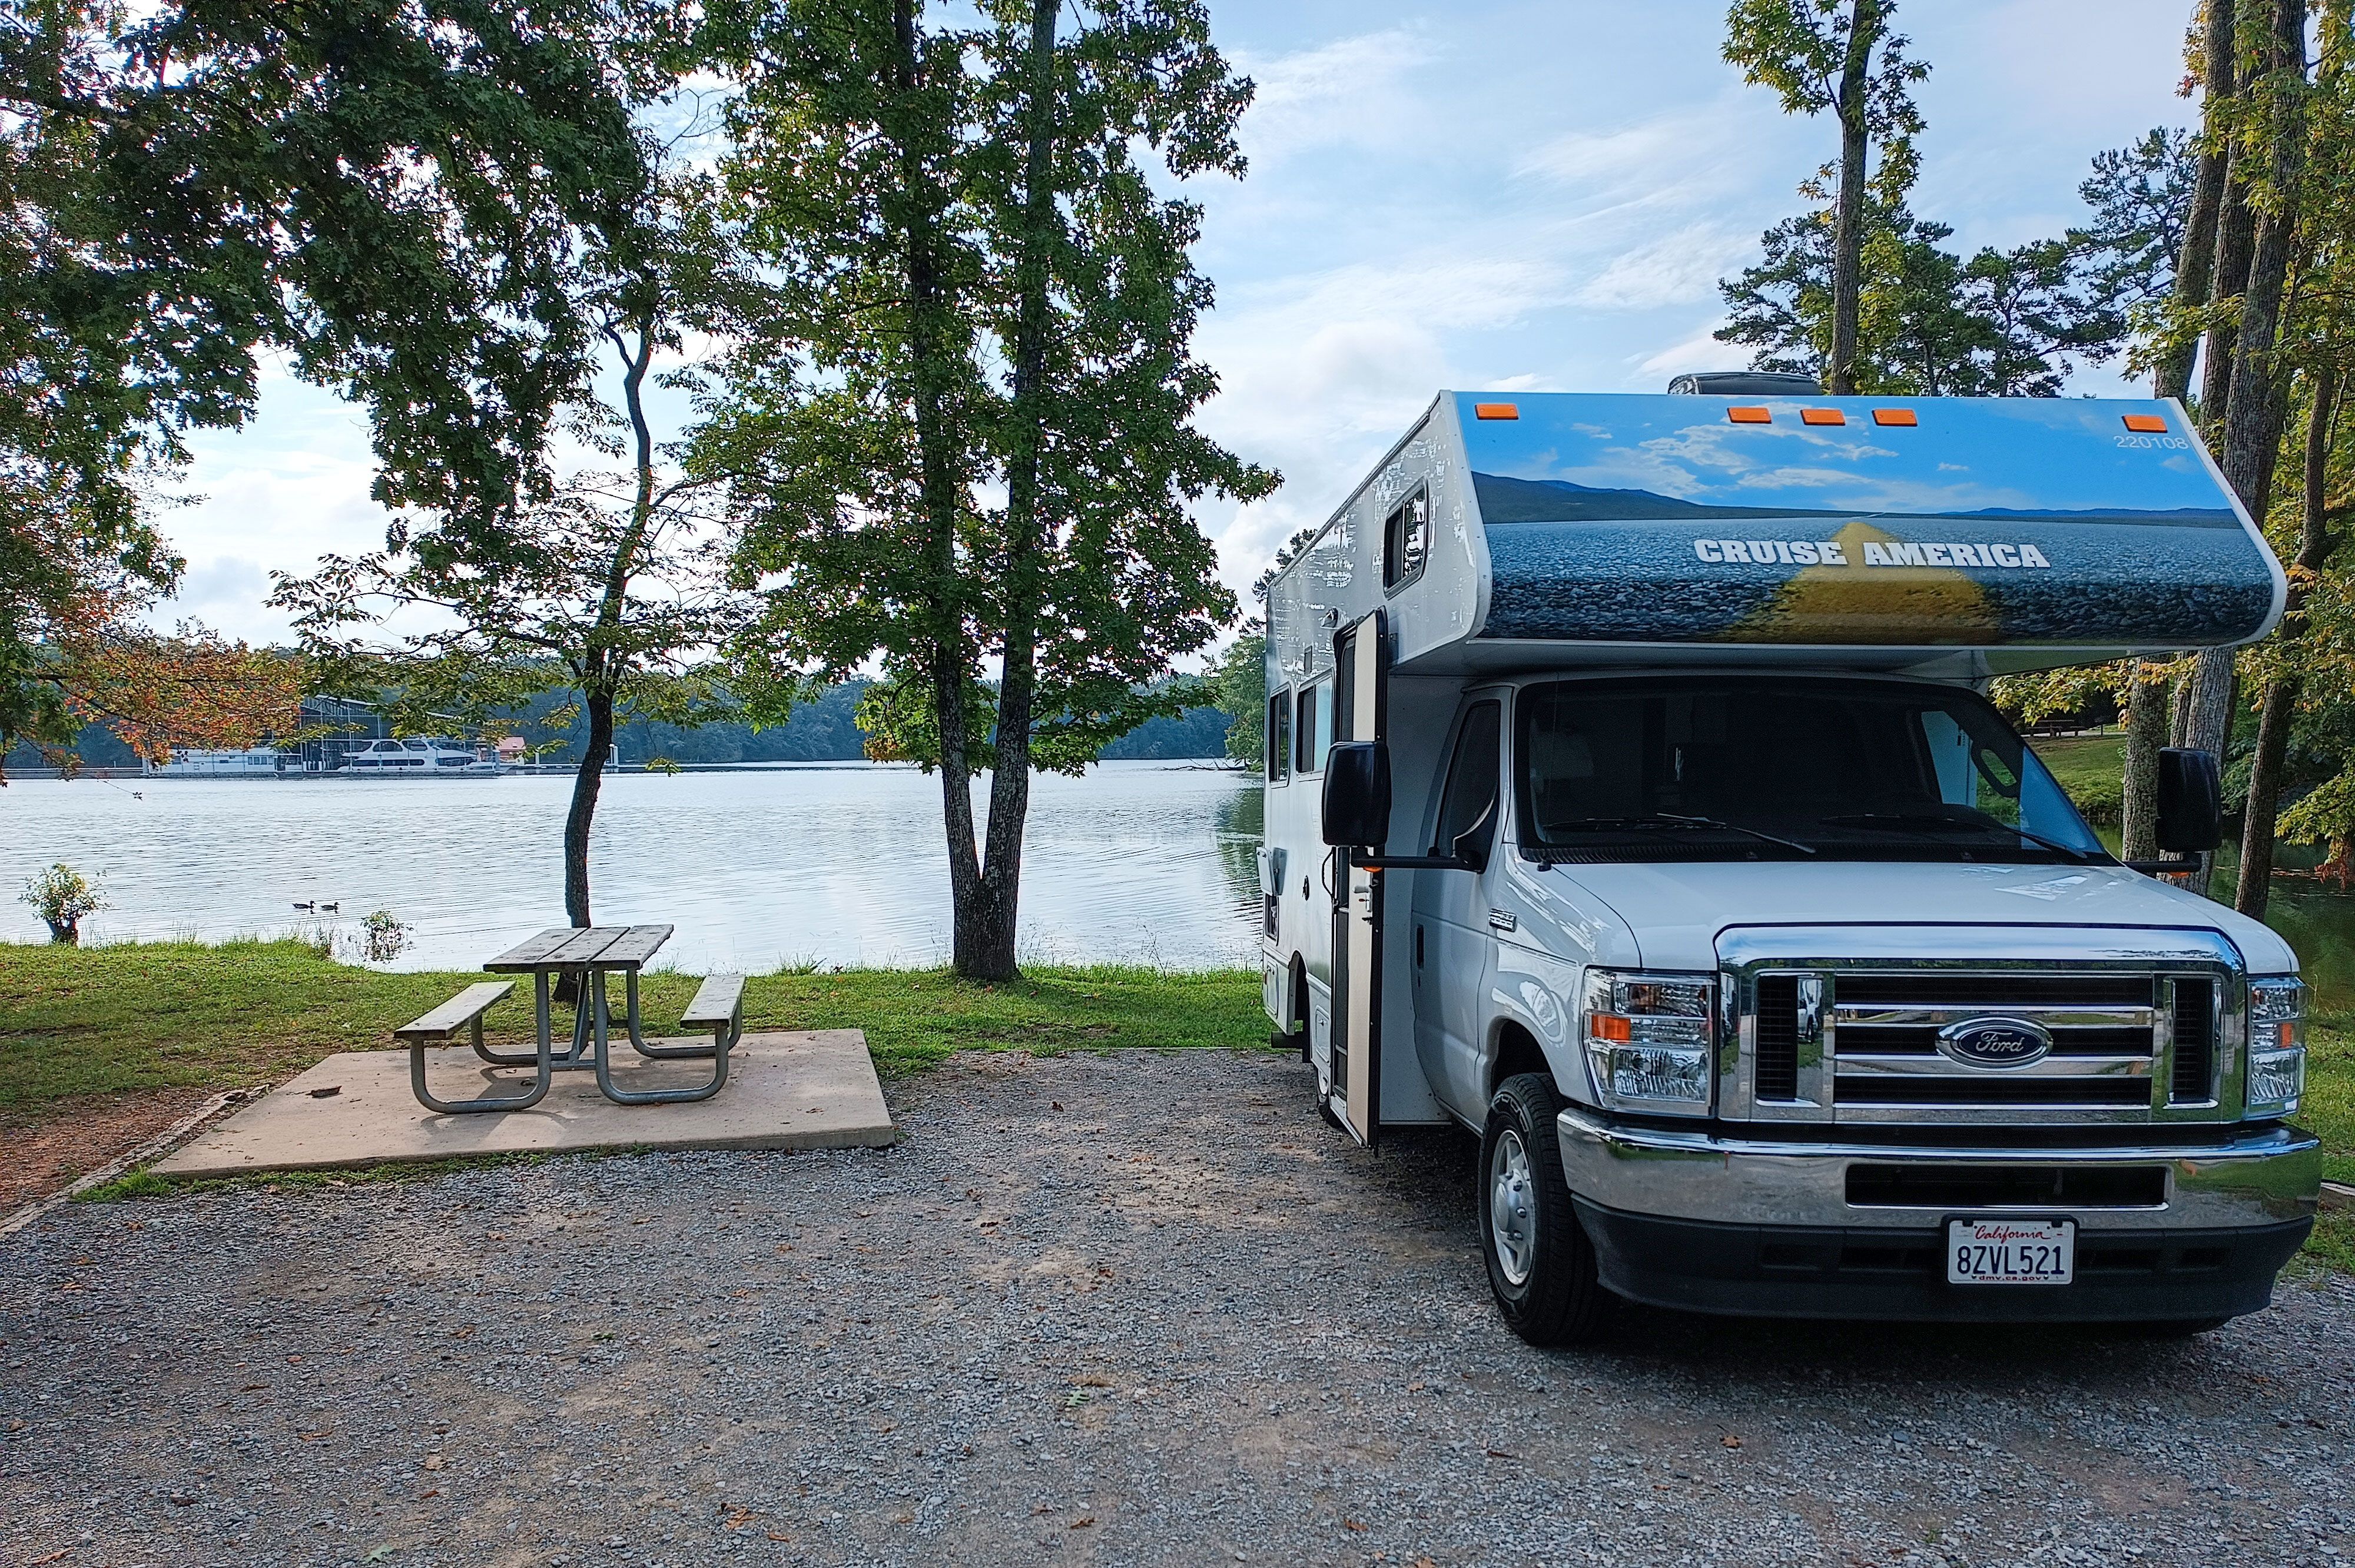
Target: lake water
1137	862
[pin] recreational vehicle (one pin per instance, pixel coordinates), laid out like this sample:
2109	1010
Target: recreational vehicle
1633	802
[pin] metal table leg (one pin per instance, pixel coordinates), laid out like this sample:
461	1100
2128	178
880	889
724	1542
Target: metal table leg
540	1016
651	1097
638	1039
530	1097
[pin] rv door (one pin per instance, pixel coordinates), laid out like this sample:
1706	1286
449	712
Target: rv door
1360	697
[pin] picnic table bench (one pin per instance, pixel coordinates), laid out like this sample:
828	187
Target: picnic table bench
586	954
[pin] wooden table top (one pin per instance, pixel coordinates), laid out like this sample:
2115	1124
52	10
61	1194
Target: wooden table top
578	947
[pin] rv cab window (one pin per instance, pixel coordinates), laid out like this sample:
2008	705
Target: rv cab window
1279	736
1406	539
1313	732
1470	800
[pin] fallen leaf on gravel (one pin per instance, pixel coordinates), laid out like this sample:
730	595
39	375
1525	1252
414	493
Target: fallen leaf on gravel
1500	1454
52	1557
434	1493
433	1461
774	1536
254	1388
1730	1441
1054	1105
1091	1379
1351	1524
1414	1388
1084	1521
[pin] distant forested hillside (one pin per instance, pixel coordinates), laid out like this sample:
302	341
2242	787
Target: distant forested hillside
824	731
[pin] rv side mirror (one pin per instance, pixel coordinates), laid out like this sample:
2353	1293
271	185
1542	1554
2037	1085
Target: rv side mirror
2191	802
1358	795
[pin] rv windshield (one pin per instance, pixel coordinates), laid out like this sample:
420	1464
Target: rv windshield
1739	768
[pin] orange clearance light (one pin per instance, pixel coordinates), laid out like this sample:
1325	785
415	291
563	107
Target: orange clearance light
2146	424
1822	417
1495	411
1894	417
1609	1026
1749	416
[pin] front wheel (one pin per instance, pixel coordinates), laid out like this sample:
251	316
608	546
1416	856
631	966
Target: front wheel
1540	1263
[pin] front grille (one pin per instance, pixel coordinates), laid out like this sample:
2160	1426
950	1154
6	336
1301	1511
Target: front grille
2193	1080
1997	991
1778	1037
1859	1089
1887	1041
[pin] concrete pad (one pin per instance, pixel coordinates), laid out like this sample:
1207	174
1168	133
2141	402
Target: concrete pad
785	1090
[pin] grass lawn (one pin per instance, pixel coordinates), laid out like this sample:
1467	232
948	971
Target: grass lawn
2330	1111
150	1016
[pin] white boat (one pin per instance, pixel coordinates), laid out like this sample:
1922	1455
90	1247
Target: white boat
425	757
199	762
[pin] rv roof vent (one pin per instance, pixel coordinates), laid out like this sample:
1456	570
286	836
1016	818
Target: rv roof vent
1748	383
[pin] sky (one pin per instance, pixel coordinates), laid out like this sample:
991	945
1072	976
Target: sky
1538	196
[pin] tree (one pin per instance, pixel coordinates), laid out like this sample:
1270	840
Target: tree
982	287
614	585
380	188
2003	323
1818	56
1239	687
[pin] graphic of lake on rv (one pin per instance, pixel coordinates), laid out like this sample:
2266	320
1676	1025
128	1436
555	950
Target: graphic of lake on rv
1863	520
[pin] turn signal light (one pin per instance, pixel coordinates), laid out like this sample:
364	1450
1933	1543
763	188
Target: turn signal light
1749	416
2146	424
1495	411
1822	417
1609	1026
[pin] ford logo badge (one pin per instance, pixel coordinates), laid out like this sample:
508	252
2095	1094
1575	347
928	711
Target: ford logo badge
1994	1042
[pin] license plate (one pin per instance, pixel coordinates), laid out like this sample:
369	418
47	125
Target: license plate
2010	1252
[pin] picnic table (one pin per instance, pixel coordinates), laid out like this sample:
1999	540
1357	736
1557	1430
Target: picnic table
586	954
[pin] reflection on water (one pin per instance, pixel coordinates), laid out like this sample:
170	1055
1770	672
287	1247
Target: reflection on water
2321	926
1135	861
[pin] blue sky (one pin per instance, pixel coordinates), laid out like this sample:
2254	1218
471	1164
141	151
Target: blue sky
1532	196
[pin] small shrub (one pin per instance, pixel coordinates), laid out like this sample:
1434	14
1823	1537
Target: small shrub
382	937
2103	801
62	896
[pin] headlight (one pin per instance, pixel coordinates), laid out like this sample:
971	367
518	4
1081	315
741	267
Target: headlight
2277	1047
1649	1040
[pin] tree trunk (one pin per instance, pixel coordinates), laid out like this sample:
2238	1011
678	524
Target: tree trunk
2314	548
945	664
2236	226
2255	883
598	700
2195	268
2250	417
1009	794
2146	734
1848	232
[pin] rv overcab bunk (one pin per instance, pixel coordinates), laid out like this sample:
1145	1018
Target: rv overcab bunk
1634	803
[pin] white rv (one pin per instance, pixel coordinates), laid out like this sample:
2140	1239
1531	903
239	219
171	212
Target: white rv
1633	801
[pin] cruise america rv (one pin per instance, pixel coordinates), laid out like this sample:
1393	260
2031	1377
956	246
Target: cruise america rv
1633	802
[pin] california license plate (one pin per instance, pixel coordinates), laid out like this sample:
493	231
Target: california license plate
2010	1252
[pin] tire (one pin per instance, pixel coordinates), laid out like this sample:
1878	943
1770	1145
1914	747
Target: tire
1540	1263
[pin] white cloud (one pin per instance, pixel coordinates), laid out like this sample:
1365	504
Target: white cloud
1700	352
1347	92
1674	269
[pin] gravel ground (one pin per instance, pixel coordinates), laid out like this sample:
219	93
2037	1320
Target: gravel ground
1126	1308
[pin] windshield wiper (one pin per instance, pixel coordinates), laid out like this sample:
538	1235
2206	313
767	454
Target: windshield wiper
1891	822
1671	821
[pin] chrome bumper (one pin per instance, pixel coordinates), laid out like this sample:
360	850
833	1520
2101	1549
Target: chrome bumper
2259	1176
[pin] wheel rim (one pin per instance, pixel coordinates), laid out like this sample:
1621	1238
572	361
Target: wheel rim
1512	1208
